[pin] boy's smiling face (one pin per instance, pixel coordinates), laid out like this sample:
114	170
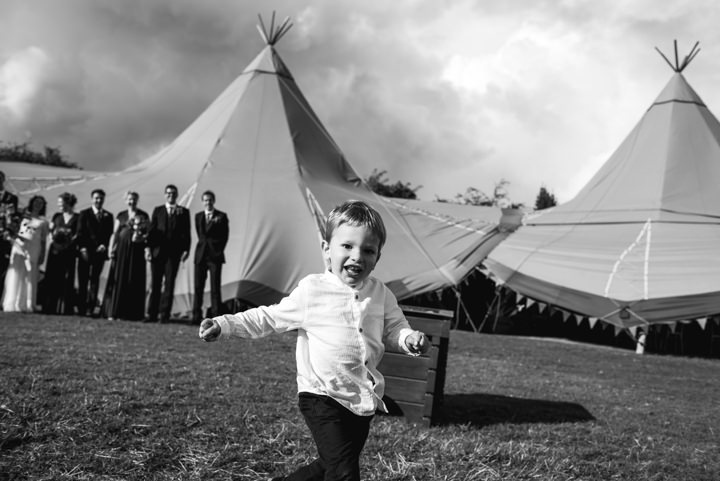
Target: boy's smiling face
353	252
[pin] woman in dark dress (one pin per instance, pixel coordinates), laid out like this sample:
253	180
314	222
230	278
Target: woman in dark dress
126	285
59	281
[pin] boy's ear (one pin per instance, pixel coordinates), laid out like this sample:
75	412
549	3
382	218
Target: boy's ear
326	254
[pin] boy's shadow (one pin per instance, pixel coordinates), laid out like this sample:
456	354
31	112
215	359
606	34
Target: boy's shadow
487	409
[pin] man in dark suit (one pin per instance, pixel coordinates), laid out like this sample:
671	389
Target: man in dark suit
212	229
8	208
168	245
95	226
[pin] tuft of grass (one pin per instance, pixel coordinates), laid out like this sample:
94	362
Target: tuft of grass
84	399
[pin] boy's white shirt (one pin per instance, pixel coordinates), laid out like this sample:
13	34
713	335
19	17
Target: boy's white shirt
342	333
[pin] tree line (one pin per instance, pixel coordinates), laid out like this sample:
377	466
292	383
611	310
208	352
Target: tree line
22	152
378	183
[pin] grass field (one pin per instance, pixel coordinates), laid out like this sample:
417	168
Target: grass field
99	400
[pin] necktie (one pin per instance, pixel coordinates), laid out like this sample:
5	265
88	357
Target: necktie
208	217
98	215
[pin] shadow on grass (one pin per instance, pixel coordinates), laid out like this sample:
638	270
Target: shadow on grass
487	409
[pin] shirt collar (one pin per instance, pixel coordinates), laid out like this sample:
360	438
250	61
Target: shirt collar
168	206
96	211
336	280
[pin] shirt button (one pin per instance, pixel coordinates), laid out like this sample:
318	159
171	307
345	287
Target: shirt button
357	297
361	329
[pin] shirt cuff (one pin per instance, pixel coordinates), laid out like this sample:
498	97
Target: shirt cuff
404	333
225	327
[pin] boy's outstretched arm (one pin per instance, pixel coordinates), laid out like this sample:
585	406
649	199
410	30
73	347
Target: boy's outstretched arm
417	343
209	330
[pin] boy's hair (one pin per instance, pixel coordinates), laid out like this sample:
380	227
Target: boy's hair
208	193
97	191
356	213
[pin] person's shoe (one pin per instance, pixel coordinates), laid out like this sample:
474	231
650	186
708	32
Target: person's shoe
150	319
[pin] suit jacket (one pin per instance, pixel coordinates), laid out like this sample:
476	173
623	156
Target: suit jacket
169	235
9	199
212	237
92	232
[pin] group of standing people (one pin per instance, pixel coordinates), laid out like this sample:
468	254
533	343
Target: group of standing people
82	242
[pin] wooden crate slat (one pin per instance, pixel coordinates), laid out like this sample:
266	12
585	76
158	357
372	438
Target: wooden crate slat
405	389
431	327
405	366
415	412
432	354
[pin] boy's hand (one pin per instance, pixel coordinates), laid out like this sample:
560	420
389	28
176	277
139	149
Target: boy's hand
209	330
417	343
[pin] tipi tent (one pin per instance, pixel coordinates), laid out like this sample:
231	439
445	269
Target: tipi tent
276	172
640	243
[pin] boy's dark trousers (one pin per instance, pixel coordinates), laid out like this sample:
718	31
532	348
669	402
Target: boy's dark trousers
339	435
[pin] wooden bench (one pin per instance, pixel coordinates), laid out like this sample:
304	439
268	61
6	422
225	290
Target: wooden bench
414	386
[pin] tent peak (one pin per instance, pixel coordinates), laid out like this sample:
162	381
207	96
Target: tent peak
274	33
680	66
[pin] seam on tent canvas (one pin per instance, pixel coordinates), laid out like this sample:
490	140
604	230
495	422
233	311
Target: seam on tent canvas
302	104
268	72
251	188
699	104
646	265
611	277
317	213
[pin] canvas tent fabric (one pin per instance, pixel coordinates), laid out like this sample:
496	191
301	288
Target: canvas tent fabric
640	243
277	172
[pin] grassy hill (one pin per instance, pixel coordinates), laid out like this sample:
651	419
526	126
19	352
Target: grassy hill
100	400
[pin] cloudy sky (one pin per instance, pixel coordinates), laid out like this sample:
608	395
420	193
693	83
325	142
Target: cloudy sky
442	94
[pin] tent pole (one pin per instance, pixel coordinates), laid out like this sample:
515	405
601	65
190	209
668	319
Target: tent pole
467	314
498	309
457	308
489	310
459	305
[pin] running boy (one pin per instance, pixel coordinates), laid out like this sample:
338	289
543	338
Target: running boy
344	318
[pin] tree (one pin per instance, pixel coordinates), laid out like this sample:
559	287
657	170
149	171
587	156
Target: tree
381	186
23	153
544	199
473	196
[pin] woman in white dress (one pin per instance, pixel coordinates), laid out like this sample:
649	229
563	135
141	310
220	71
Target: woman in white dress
26	257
